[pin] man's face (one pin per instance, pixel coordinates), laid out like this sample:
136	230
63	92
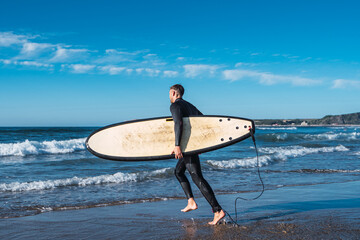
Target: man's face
171	95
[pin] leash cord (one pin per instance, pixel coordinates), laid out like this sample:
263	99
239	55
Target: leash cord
262	183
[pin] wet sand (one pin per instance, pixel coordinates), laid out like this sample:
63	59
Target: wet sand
325	211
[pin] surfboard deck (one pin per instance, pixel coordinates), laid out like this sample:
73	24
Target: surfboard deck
154	138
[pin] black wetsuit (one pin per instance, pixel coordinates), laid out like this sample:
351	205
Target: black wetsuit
179	109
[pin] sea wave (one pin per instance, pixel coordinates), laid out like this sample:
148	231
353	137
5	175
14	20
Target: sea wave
45	147
242	162
306	170
287	136
118	177
273	154
277	137
277	128
284	153
333	136
326	171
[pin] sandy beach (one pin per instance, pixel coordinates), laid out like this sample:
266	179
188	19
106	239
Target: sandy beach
325	211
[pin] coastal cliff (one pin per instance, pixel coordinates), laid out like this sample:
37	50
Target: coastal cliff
343	119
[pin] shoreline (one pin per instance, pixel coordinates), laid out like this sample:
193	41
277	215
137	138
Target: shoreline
301	212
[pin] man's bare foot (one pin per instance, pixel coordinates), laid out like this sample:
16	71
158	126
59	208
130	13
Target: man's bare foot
191	205
217	217
189	208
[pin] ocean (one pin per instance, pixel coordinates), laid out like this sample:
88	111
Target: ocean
49	169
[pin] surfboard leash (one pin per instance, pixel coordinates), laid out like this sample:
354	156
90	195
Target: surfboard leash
262	183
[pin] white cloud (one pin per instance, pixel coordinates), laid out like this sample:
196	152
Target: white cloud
112	70
114	51
68	54
152	59
6	61
139	70
35	64
288	56
239	64
129	70
149	71
26	63
8	38
343	83
152	72
267	78
194	70
180	58
31	49
170	73
79	68
113	56
150	56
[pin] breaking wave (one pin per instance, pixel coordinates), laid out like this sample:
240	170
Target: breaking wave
295	151
286	136
118	177
277	128
273	154
46	147
245	162
277	137
333	136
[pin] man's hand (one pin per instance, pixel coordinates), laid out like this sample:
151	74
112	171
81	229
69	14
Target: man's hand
177	152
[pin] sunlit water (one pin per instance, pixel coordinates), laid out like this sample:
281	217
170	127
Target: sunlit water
46	169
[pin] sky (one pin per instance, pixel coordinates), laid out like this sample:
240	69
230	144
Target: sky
93	63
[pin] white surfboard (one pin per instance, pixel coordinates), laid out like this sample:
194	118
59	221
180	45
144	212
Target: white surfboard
154	138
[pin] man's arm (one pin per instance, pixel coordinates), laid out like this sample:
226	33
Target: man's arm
178	122
178	127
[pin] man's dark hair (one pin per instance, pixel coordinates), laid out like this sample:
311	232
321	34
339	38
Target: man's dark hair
179	89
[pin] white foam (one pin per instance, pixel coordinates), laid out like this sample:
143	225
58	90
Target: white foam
245	162
274	154
284	153
281	136
333	136
277	128
118	177
34	147
357	154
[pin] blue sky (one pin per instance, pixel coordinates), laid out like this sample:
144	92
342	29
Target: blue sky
92	63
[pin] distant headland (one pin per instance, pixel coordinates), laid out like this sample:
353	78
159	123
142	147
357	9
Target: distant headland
328	120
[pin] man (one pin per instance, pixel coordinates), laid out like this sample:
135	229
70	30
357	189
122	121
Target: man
180	108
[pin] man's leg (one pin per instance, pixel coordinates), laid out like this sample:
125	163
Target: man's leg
184	182
193	166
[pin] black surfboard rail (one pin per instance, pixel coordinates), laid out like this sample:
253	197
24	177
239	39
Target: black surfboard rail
169	156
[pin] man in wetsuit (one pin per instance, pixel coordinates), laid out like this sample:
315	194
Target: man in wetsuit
180	108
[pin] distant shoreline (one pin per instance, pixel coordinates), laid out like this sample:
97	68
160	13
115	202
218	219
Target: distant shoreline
352	119
343	125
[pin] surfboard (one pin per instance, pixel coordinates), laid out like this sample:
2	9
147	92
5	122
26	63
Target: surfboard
154	138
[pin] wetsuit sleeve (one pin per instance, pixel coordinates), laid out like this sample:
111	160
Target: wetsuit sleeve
178	122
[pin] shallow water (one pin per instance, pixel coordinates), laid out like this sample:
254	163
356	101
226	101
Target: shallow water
46	169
